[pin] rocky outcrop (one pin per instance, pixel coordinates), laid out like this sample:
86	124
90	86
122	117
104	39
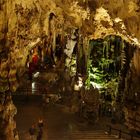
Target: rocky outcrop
8	84
127	10
132	94
7	113
26	21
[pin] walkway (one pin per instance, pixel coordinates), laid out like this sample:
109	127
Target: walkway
60	123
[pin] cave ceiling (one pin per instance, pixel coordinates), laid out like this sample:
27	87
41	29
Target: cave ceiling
95	18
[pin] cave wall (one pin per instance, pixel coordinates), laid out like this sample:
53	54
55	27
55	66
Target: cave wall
28	19
127	10
136	61
7	123
132	94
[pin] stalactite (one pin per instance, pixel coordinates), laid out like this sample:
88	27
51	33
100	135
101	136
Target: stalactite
107	49
87	82
121	74
123	56
106	53
128	52
136	60
104	46
86	50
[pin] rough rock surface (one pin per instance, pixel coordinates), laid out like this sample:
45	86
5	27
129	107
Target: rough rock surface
7	113
24	21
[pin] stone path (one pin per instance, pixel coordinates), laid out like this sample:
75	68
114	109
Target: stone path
60	123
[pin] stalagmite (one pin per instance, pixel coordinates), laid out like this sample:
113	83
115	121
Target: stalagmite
25	24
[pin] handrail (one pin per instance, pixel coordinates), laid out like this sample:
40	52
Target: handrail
29	92
121	132
38	89
26	91
137	113
135	120
134	124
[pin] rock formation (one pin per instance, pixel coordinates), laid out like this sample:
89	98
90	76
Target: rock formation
23	24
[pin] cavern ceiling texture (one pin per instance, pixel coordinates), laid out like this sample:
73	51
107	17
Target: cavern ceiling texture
94	17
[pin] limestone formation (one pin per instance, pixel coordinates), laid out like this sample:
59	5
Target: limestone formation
23	24
7	113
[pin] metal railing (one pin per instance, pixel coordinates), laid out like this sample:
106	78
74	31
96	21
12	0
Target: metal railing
121	132
30	91
134	122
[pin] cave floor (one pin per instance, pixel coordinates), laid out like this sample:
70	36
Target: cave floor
59	122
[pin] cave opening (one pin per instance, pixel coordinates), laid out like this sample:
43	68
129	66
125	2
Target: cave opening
108	64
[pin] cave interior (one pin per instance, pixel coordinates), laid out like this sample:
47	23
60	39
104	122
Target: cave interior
83	54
